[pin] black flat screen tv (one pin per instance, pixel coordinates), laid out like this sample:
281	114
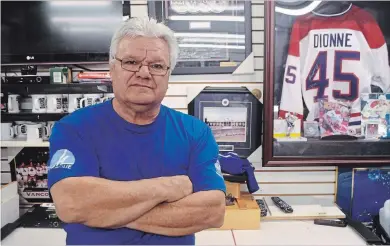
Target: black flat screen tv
59	32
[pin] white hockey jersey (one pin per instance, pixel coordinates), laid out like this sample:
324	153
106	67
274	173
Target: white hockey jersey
336	58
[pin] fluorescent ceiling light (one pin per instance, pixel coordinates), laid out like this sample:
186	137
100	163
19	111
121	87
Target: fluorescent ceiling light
82	20
79	3
238	47
211	40
208	18
296	12
208	35
85	29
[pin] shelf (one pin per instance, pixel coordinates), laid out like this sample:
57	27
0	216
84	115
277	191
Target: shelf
73	88
31	117
335	148
24	144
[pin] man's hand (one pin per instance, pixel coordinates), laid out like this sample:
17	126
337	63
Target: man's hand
178	187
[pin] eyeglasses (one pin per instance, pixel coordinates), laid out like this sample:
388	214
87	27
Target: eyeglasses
132	65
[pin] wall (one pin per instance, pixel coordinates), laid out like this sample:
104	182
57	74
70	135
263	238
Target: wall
300	184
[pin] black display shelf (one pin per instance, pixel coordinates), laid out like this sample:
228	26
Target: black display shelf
5	117
72	88
324	148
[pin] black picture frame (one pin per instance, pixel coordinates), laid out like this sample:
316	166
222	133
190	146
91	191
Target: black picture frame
159	11
242	136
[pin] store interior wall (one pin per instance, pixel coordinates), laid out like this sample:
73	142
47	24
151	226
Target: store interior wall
297	184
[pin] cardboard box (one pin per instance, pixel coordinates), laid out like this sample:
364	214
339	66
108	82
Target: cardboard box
243	215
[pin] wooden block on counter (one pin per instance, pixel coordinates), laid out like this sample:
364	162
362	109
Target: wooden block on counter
243	215
233	188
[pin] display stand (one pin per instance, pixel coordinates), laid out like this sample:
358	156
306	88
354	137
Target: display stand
244	214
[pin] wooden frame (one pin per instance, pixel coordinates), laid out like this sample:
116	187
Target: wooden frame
268	147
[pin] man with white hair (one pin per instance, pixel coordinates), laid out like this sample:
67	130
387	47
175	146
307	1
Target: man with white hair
131	170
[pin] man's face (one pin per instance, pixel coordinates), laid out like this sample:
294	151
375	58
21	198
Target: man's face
140	88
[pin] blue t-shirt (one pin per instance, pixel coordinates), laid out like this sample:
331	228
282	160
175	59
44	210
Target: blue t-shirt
96	141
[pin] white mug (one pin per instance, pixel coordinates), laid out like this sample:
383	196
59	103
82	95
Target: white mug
74	102
35	132
55	103
48	128
65	102
108	96
13	104
90	99
20	130
7	131
39	103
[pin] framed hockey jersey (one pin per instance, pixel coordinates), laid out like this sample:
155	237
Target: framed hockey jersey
335	52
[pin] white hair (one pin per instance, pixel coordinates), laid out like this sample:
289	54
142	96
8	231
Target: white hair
147	27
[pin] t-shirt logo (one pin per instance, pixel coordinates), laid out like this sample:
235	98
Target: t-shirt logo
218	168
63	158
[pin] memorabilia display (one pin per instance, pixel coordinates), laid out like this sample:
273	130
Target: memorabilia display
234	116
31	174
231	163
334	118
366	203
375	110
328	71
287	128
311	129
213	36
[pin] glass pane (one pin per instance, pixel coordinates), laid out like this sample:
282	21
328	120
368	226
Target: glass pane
212	35
331	79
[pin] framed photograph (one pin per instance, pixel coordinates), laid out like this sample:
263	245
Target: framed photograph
234	116
214	37
227	124
30	170
313	54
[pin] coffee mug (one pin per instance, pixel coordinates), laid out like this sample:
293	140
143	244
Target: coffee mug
74	102
39	103
48	128
7	131
13	103
90	99
20	130
55	103
35	132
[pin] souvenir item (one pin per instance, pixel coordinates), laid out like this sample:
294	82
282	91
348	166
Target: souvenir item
334	118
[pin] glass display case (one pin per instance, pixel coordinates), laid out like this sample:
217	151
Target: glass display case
327	85
214	36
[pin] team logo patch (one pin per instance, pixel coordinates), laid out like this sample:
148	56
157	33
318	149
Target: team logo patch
218	168
63	158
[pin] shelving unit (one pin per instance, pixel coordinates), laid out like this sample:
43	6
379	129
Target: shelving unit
5	117
24	144
72	88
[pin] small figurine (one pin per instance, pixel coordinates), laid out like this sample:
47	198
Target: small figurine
290	119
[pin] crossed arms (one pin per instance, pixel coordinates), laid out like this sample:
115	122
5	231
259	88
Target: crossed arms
164	206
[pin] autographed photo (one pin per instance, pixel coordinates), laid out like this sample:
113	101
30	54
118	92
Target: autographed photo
228	124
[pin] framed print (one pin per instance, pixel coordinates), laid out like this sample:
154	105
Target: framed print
214	37
324	67
31	168
234	116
